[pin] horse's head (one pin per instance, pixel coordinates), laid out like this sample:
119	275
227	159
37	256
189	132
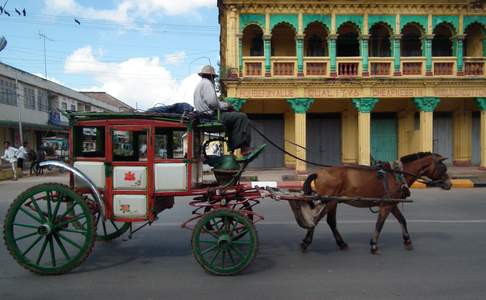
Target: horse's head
436	170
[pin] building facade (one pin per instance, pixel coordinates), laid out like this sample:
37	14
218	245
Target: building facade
353	81
36	104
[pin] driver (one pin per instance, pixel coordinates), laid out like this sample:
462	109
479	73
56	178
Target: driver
235	123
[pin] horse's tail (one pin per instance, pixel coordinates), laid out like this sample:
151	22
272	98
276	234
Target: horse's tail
307	184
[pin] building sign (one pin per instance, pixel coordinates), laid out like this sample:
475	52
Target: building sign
378	92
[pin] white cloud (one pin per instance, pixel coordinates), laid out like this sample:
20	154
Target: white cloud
127	10
175	58
139	81
49	78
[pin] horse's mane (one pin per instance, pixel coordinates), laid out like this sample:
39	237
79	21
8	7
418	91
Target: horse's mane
414	157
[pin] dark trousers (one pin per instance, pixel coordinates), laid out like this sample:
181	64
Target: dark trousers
237	129
20	163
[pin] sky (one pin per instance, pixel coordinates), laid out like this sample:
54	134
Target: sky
143	52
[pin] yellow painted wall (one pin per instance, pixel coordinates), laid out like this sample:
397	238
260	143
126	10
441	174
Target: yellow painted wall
283	41
289	135
462	122
349	139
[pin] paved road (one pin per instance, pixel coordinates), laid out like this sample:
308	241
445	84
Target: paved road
449	261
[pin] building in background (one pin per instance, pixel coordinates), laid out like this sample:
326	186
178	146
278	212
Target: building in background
36	103
354	81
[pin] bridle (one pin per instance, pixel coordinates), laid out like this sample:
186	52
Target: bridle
420	176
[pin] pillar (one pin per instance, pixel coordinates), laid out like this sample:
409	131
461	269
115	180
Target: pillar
267	40
237	103
363	42
459	55
332	54
406	128
481	102
349	136
364	107
396	54
300	55
240	54
289	135
428	54
426	105
462	120
300	106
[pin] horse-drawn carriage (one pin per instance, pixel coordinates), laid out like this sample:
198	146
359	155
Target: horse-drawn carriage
125	169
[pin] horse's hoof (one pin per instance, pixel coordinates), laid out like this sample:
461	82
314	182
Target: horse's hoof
408	245
343	247
374	250
303	246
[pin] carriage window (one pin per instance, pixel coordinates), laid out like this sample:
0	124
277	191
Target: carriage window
129	145
170	143
89	141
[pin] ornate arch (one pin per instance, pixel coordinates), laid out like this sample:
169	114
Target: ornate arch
252	19
325	20
356	20
421	20
452	21
318	22
483	26
422	29
289	19
469	20
388	20
386	25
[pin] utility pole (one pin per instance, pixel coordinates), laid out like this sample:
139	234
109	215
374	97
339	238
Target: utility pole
19	106
44	37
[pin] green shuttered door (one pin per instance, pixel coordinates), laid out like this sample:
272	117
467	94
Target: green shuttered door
384	138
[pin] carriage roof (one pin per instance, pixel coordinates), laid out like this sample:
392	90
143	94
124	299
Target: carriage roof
89	116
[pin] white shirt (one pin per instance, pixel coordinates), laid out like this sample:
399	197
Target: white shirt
22	153
10	154
205	98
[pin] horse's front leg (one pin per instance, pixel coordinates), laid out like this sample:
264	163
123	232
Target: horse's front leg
382	215
403	223
331	221
308	239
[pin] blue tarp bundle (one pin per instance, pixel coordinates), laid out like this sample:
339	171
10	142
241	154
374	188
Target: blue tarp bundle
176	108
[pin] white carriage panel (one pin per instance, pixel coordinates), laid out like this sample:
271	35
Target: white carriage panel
170	177
130	178
95	171
196	173
130	206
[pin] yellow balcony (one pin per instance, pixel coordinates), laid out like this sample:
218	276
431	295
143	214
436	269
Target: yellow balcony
474	66
413	66
284	66
444	66
253	66
381	66
316	66
348	66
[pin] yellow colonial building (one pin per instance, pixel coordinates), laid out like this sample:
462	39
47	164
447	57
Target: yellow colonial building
354	81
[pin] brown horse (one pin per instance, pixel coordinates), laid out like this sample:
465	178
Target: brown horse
362	181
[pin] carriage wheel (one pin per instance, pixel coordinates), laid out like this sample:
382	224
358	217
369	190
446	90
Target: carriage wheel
40	229
229	247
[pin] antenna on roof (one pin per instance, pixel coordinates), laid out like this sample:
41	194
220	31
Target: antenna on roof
44	37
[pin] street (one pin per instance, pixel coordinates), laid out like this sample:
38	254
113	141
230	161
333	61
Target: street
448	230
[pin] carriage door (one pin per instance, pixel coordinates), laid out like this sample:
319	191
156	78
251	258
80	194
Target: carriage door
131	172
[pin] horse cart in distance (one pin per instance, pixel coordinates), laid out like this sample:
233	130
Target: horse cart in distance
125	169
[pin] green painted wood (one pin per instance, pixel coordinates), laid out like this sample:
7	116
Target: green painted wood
267	52
390	20
323	19
355	19
427	104
332	53
469	20
237	103
365	105
428	54
300	55
384	138
396	54
300	105
452	20
481	103
421	20
363	42
248	19
240	54
459	54
290	19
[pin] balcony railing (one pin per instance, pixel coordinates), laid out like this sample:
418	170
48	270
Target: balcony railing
253	66
413	66
317	67
381	66
284	66
348	66
474	66
444	66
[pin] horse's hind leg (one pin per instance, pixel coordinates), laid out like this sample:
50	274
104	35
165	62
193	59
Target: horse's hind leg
401	219
382	215
331	221
308	239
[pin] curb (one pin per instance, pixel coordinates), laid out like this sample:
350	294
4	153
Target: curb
456	184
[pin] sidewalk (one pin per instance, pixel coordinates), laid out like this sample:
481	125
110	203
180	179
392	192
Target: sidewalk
462	177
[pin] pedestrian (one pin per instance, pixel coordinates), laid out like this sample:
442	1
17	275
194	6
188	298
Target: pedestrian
10	155
22	155
236	123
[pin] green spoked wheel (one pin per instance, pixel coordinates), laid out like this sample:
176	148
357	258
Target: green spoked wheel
109	230
229	246
42	232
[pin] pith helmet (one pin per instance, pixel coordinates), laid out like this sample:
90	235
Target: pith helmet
208	70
